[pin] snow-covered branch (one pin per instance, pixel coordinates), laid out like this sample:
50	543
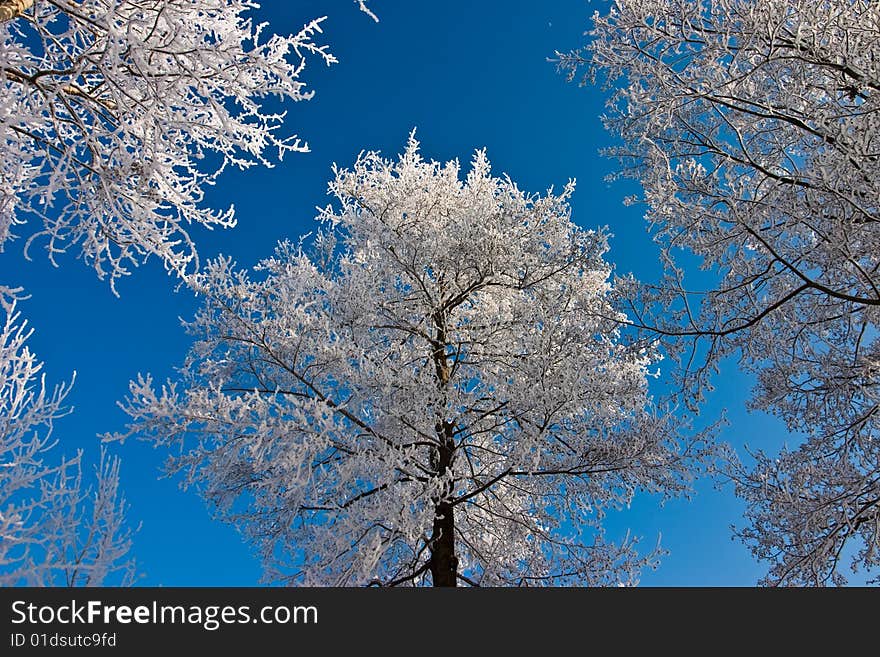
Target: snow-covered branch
55	529
116	116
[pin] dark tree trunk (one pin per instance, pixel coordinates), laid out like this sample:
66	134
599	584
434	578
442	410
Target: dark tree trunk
444	563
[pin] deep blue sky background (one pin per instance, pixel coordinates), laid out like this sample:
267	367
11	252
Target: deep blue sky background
466	75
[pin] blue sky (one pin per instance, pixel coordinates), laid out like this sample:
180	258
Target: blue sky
466	75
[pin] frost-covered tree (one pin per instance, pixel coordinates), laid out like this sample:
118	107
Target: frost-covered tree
754	129
55	529
116	115
433	392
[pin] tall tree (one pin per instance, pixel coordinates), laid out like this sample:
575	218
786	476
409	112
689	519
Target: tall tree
116	116
754	129
433	392
54	528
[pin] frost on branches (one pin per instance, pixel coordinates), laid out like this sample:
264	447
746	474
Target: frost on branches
754	129
433	392
54	529
116	114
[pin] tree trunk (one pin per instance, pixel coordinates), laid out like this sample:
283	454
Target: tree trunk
10	9
444	563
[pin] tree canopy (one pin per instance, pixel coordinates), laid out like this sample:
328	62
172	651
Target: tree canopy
753	127
434	391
